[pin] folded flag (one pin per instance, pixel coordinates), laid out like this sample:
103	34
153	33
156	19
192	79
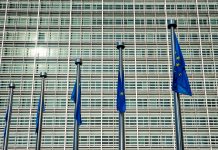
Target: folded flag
6	120
180	78
121	99
37	114
77	114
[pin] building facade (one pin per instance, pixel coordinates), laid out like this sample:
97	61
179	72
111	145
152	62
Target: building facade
47	35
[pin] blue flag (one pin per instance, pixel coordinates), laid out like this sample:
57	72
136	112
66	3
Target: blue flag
73	94
37	114
77	114
180	78
121	99
6	120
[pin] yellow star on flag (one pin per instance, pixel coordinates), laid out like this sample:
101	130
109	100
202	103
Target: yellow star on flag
177	64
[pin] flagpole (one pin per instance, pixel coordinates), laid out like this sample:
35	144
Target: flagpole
78	62
177	111
43	75
8	123
120	47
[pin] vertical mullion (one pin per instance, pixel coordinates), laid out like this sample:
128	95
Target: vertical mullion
212	46
33	76
169	74
136	79
204	80
102	68
68	74
3	34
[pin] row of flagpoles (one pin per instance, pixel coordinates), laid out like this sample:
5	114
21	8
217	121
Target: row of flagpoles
180	84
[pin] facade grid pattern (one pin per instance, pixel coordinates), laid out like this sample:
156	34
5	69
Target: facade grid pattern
47	35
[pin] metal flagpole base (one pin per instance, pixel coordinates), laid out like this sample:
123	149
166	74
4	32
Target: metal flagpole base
122	131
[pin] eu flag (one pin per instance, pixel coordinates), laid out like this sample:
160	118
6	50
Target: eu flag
73	94
37	114
180	78
6	120
77	114
121	99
